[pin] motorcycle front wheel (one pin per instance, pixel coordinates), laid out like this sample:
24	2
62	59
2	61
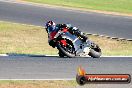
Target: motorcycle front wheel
95	52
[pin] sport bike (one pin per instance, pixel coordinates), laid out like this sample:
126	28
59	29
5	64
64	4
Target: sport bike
71	45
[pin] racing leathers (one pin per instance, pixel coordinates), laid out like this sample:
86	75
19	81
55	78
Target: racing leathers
73	30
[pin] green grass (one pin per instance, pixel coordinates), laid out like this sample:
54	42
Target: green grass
25	39
123	6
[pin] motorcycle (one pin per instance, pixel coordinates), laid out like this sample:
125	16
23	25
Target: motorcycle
71	45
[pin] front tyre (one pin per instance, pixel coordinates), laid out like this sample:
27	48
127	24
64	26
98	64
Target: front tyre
95	52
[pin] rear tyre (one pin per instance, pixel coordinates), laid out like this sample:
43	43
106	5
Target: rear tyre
67	50
61	54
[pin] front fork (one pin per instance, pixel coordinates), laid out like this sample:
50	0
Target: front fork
91	44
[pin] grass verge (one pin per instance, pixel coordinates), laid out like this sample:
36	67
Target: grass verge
37	84
122	6
25	39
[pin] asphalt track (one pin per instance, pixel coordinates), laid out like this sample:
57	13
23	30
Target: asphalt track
49	67
109	25
53	67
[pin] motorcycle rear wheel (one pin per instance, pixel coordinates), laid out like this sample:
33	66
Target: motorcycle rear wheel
61	54
66	51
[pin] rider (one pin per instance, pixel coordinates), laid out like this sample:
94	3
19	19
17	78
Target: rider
52	27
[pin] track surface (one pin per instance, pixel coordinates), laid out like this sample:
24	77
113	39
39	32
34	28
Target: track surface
16	67
114	26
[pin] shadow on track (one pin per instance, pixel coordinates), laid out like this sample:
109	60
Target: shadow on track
33	55
30	55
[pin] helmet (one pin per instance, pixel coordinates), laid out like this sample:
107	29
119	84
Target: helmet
50	26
